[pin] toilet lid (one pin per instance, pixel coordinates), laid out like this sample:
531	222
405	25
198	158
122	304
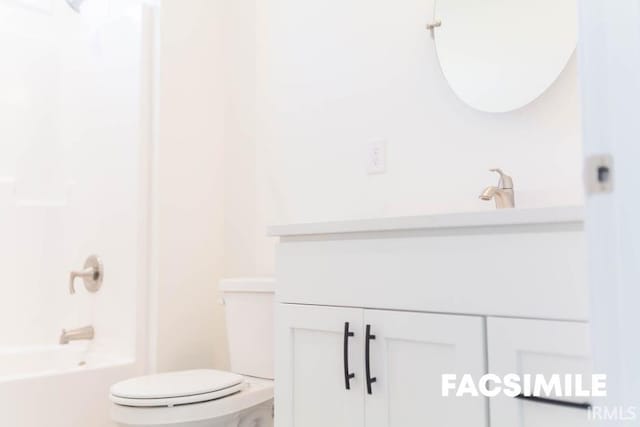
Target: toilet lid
176	388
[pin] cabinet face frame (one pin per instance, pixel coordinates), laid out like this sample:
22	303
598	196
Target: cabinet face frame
514	343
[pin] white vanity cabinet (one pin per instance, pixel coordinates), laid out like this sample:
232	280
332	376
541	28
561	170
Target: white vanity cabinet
356	367
406	300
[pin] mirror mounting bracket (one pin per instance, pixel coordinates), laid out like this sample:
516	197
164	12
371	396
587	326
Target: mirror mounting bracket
431	26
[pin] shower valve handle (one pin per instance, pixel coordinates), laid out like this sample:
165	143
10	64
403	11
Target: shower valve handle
92	275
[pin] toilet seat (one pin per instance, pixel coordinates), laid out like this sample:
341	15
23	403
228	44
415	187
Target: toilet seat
176	388
255	391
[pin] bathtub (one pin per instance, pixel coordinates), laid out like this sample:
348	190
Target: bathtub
58	386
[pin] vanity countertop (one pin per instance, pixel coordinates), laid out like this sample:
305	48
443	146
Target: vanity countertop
503	217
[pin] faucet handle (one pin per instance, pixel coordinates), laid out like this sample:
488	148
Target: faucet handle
505	182
87	273
92	275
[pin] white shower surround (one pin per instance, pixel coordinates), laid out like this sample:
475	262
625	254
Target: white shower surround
74	180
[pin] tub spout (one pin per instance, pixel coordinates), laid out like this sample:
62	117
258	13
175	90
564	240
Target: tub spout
86	333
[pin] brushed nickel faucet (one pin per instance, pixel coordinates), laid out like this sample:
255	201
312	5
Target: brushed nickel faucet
503	193
85	333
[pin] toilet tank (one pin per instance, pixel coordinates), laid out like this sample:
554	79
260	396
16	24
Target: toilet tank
249	309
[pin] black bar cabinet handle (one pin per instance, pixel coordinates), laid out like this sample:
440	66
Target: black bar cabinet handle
586	406
345	351
367	358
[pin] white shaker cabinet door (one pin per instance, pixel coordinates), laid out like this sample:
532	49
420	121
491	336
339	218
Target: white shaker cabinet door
522	346
312	374
408	356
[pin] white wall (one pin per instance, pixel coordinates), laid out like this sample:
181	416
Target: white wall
240	138
189	188
207	226
334	75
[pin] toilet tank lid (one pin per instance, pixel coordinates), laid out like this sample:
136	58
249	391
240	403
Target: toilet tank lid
248	284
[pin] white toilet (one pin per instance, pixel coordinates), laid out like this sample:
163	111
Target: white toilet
210	398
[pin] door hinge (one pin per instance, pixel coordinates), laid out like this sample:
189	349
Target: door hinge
599	174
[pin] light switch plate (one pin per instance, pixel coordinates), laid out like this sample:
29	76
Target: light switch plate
376	157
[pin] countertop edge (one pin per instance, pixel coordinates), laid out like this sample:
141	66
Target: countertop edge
505	217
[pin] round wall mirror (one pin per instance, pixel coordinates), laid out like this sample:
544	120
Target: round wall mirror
499	55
